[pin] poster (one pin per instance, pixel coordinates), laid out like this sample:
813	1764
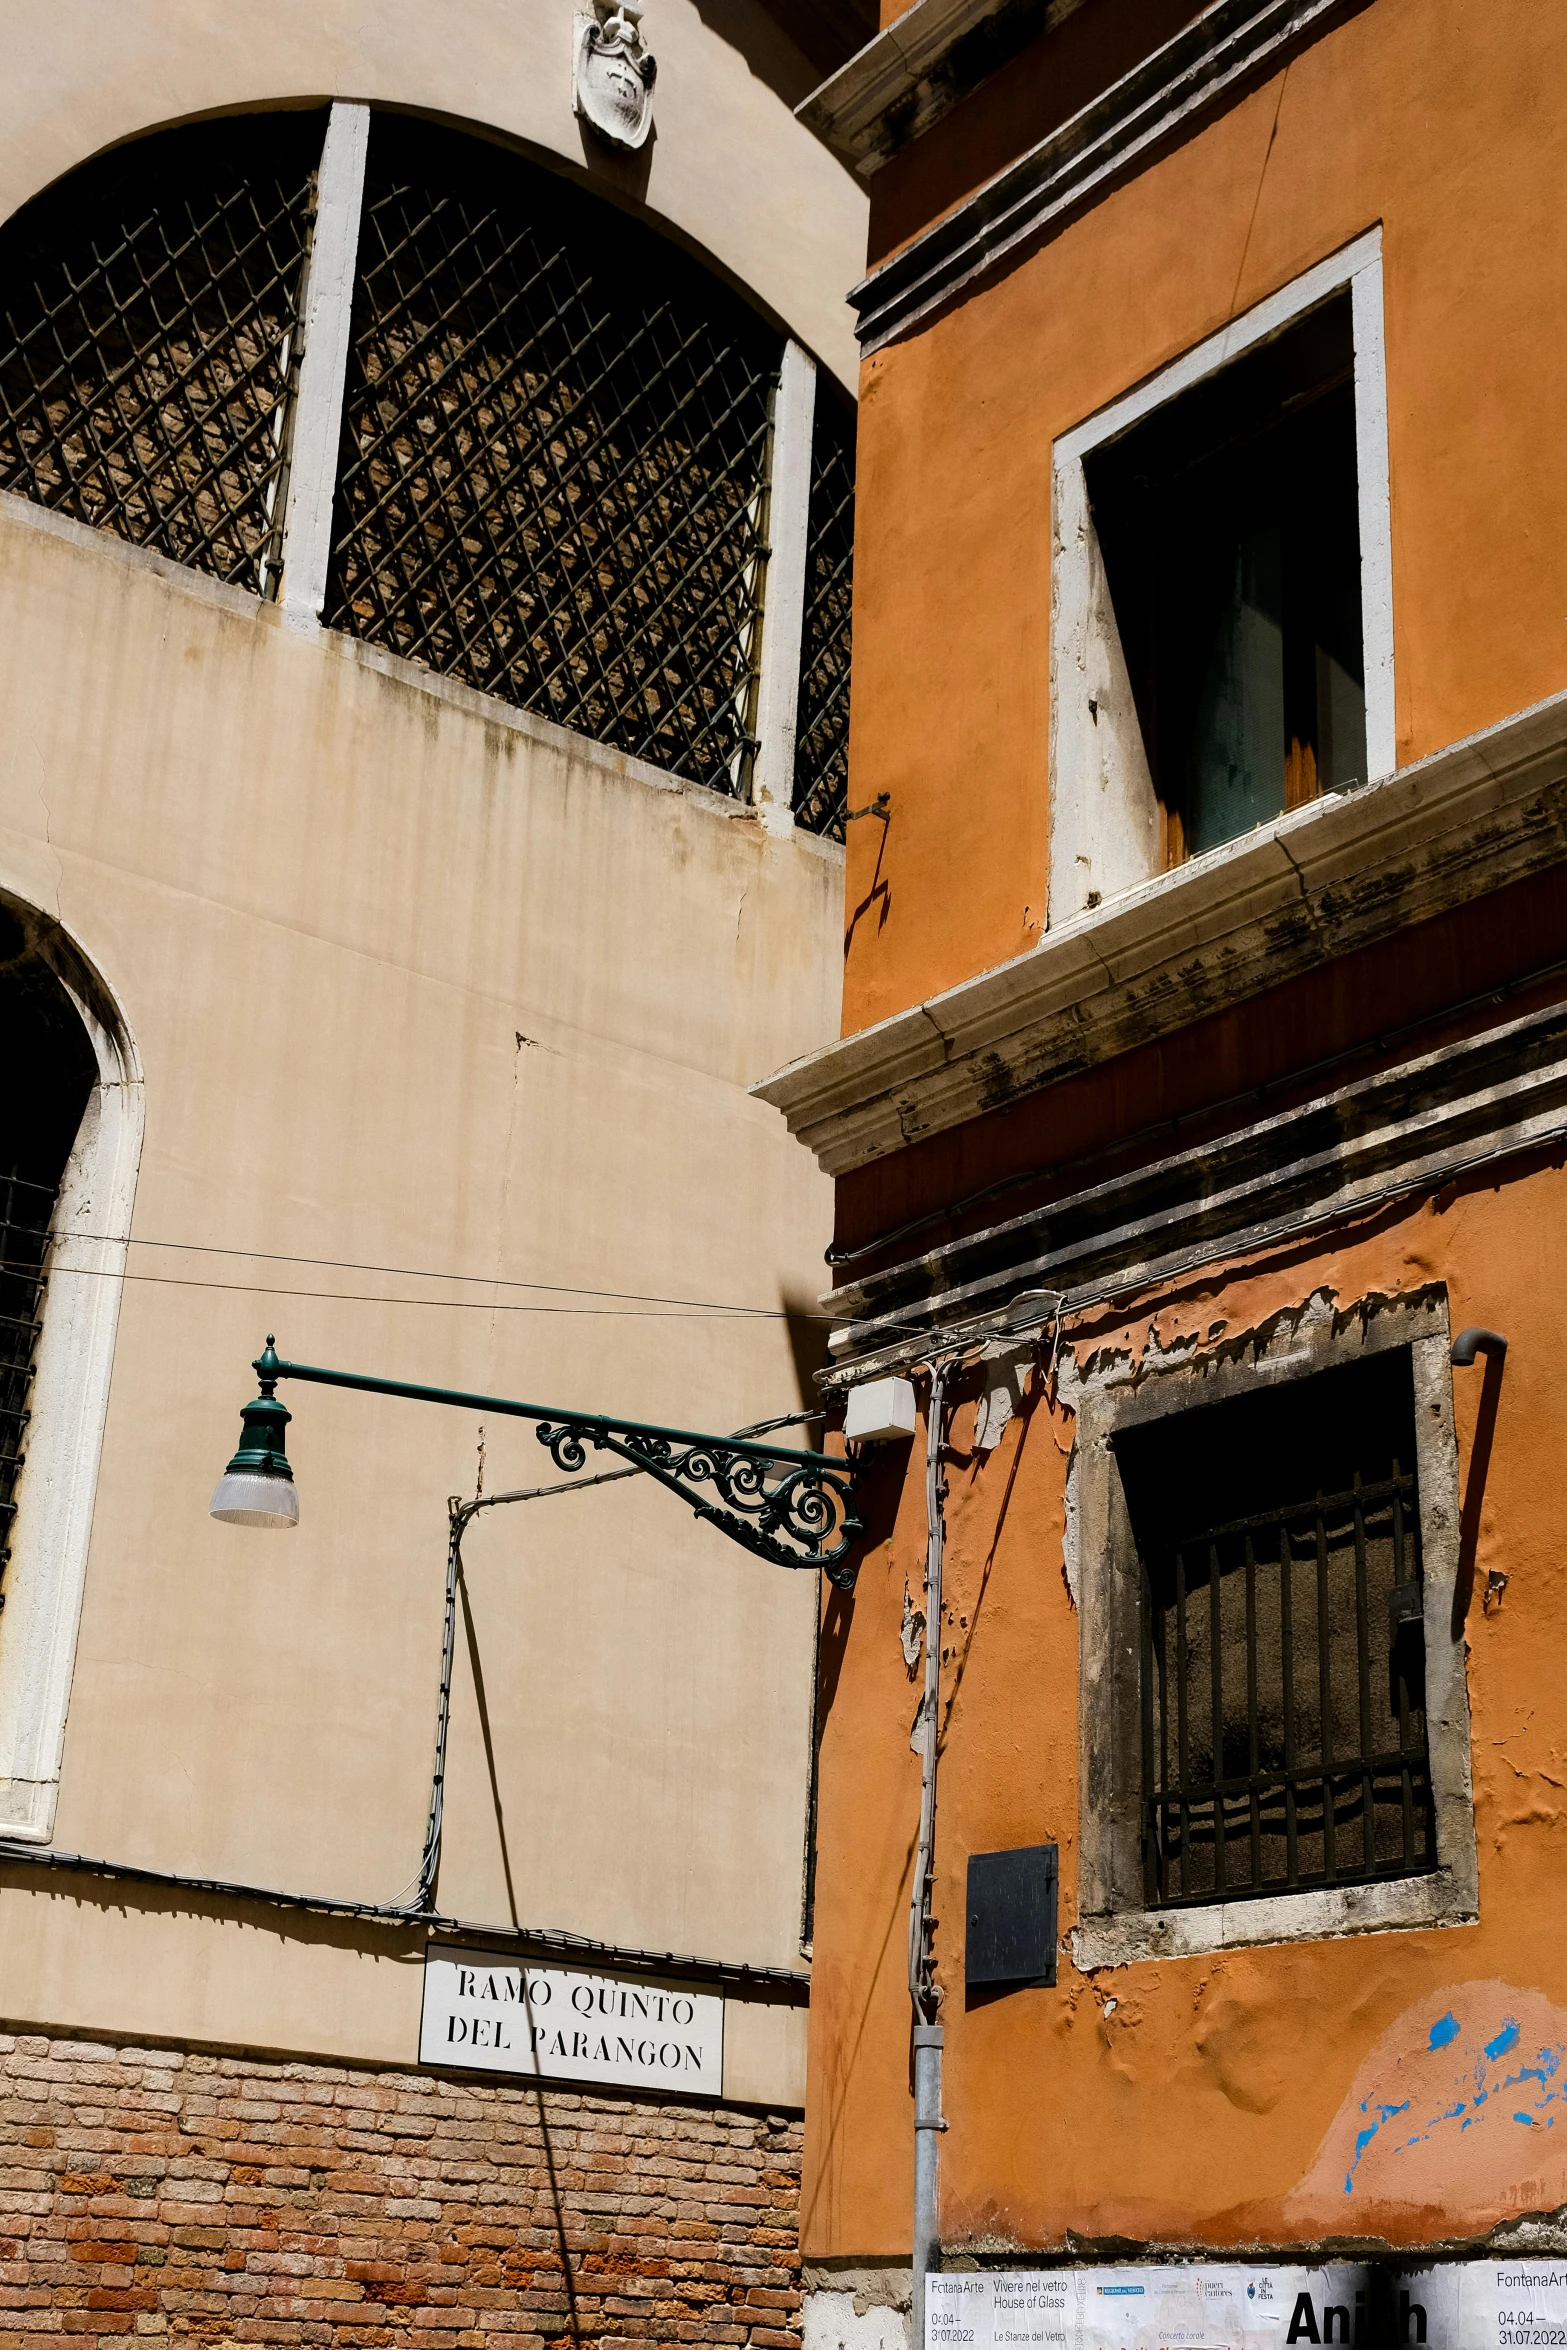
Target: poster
1458	2305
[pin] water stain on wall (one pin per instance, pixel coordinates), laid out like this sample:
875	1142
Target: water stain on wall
1456	2107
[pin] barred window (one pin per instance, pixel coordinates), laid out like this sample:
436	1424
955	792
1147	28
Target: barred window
553	456
50	1072
1282	1653
554	449
149	330
821	769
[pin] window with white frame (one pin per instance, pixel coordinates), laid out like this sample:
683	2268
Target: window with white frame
1222	626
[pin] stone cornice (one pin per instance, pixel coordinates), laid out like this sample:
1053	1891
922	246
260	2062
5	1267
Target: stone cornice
1330	878
917	69
1410	1129
1232	44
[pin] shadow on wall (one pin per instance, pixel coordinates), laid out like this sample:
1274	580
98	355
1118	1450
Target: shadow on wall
1474	1492
825	33
808	1329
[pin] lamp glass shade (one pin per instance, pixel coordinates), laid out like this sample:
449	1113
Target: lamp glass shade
248	1500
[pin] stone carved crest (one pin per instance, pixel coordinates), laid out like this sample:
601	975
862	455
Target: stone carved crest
613	71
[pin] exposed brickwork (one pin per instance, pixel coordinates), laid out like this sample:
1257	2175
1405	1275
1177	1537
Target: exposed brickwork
231	2200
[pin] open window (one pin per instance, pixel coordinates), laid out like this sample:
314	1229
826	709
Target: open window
1229	526
1222	631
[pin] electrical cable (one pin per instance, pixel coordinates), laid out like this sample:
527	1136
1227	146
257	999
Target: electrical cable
355	1297
199	1248
415	1905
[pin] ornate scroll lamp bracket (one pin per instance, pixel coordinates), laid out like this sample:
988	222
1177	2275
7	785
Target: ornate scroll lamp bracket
612	74
796	1510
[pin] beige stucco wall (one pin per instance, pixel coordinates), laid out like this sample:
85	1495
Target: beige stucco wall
728	168
422	984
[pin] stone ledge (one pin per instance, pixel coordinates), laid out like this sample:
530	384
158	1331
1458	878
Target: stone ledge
1315	885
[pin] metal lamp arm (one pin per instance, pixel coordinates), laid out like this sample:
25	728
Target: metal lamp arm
795	1508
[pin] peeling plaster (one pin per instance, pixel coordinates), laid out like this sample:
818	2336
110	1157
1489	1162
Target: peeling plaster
1004	1372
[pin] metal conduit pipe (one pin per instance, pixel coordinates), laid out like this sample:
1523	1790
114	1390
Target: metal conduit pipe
928	2035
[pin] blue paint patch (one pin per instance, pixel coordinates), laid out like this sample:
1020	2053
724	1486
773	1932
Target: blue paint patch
1385	2113
1542	2077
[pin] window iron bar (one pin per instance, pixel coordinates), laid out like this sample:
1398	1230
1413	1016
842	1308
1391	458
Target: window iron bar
1391	1873
150	340
1296	1513
821	776
1325	1672
1386	1763
1360	1806
554	454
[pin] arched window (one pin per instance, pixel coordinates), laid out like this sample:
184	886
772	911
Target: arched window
821	766
70	1145
52	1069
558	451
554	458
149	327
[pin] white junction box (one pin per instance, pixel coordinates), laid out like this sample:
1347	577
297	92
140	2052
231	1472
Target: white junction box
880	1412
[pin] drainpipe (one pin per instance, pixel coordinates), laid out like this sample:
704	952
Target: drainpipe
928	2123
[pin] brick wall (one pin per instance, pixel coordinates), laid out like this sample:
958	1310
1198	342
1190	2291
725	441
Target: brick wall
150	2191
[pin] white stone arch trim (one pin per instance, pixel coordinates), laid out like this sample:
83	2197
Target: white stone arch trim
58	1483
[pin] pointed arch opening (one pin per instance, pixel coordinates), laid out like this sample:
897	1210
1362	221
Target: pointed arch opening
70	1143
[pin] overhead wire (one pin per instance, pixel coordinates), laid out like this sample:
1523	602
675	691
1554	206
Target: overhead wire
414	1273
676	1310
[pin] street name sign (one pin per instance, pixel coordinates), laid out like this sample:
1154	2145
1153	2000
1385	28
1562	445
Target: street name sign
556	2023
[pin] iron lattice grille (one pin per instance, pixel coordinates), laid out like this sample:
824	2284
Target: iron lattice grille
150	336
821	755
554	457
24	1233
1283	1722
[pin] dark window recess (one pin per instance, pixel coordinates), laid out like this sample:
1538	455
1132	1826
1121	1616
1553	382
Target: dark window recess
1010	1936
50	1071
1229	526
149	340
821	748
1282	1669
553	460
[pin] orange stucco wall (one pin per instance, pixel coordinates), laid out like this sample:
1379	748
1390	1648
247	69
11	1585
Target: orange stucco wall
1213	2100
1216	2101
1440	119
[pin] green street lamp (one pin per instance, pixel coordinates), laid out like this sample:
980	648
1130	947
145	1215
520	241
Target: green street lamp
257	1488
795	1508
